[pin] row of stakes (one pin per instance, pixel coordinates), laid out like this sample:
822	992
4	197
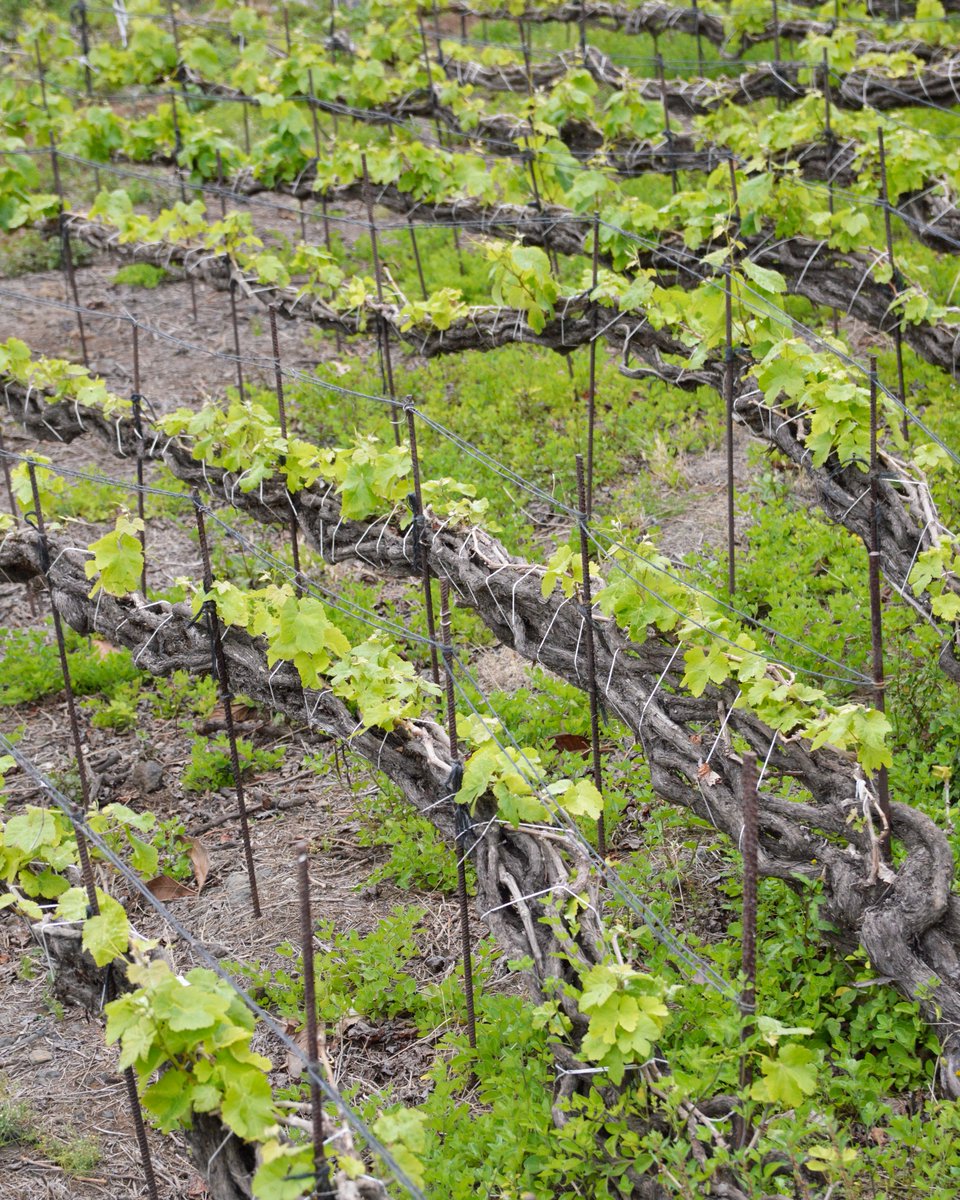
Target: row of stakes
584	482
220	670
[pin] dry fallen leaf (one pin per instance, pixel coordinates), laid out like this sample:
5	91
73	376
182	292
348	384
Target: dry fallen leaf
201	863
166	888
707	775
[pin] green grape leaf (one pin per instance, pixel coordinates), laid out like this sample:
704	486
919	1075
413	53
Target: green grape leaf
107	935
117	558
788	1077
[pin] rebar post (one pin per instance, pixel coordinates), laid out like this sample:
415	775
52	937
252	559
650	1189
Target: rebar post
282	417
667	128
135	400
178	146
587	614
320	1166
421	557
463	826
221	674
748	995
83	852
416	256
383	333
592	381
876	611
898	329
85	47
831	146
729	367
313	115
238	357
66	249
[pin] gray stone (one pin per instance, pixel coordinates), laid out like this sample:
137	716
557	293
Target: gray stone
147	776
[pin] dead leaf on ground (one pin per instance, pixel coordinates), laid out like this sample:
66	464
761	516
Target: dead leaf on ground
201	863
101	648
163	887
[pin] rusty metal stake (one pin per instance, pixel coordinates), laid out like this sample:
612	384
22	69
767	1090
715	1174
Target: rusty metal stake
876	611
282	416
463	826
667	129
85	47
66	250
232	292
831	146
86	867
587	613
748	996
416	256
898	331
136	399
383	333
320	1167
729	366
221	674
313	115
178	146
592	385
421	558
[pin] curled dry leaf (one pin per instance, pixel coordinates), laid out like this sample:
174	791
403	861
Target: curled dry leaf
201	863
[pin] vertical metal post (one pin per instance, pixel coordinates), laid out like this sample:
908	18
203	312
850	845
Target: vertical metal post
135	400
831	145
416	256
587	613
696	12
876	610
421	558
429	70
592	383
66	249
219	663
14	511
313	115
898	331
460	848
521	32
244	107
667	129
286	28
83	851
383	333
729	367
85	47
282	417
220	182
320	1167
232	292
748	996
178	146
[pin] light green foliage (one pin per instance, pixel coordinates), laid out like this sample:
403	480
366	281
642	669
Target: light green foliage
37	846
143	275
627	1014
210	767
383	687
30	665
521	277
117	558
